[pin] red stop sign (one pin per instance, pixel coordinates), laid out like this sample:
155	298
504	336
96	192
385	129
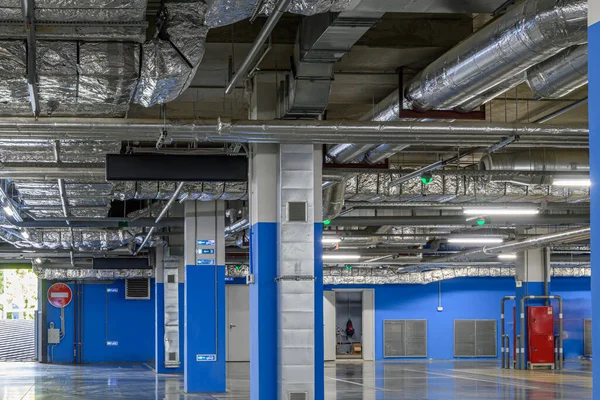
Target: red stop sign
60	295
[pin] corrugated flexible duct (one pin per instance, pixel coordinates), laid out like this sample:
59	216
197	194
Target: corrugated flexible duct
561	74
527	34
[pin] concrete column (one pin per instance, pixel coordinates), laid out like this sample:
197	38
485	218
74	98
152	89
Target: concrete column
532	270
594	121
263	264
286	300
204	298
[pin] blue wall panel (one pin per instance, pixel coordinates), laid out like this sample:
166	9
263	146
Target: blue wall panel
470	298
108	317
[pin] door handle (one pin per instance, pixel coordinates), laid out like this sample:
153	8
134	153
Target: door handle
231	326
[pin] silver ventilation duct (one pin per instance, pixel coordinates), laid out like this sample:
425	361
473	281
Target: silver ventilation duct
333	199
561	74
307	7
379	276
57	273
544	160
492	93
169	63
383	152
530	32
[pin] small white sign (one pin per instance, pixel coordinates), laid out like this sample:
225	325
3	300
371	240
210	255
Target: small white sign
112	290
206	357
112	343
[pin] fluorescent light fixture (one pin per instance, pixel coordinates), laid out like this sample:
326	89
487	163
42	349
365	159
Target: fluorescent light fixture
330	240
500	211
341	256
507	256
25	234
8	211
574	182
38	260
475	240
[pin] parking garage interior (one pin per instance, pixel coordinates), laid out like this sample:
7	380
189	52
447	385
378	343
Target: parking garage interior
299	199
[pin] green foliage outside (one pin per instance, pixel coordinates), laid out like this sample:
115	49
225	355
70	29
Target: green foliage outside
18	293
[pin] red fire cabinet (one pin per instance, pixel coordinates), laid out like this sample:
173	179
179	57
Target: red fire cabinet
540	334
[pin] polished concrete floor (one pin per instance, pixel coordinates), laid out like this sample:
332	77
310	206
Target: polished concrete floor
344	380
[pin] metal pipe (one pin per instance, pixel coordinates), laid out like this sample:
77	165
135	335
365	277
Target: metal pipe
239	225
538	241
460	221
518	351
160	217
560	325
280	8
504	299
300	131
50	173
430	167
562	111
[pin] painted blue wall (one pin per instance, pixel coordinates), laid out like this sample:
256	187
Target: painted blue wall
471	298
108	317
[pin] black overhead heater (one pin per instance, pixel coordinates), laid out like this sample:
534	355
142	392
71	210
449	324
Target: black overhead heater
163	167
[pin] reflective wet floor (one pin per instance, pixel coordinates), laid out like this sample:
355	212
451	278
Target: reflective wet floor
344	380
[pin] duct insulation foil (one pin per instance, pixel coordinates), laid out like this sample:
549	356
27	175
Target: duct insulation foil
53	273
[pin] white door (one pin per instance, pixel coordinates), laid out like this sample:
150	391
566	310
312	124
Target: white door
329	327
368	325
238	323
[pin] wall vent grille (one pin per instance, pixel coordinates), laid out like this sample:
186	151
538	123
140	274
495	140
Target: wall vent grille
587	337
296	211
137	289
475	338
405	338
298	396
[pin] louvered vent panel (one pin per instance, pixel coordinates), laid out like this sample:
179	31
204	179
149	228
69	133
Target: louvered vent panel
405	338
587	337
137	289
298	396
475	338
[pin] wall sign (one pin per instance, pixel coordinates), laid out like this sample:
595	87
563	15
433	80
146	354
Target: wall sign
206	357
60	295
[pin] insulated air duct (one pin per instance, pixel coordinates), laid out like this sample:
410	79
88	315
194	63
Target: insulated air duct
561	74
546	160
527	34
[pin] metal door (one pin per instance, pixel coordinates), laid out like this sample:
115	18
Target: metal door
329	327
238	323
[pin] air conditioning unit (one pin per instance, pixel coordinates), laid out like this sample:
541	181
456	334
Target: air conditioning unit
137	289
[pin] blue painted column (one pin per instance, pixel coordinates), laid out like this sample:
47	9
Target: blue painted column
263	264
204	298
594	120
532	269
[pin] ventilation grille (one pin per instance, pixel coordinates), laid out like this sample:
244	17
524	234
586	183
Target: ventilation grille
296	211
137	289
475	338
587	337
172	356
298	396
405	338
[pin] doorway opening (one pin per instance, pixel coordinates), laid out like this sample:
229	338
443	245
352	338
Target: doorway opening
349	326
18	310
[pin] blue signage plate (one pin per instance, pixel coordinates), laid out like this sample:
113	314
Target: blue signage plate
206	357
205	262
205	242
206	251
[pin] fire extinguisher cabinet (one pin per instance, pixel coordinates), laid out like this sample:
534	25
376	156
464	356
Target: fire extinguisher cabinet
540	334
